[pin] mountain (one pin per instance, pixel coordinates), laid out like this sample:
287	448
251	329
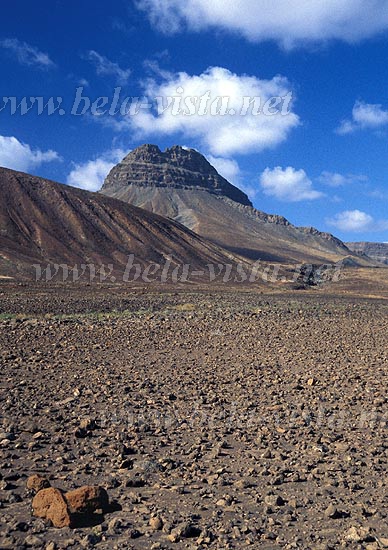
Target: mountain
376	251
182	185
46	222
176	168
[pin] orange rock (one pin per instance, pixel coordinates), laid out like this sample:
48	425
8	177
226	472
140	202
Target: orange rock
87	500
50	504
36	483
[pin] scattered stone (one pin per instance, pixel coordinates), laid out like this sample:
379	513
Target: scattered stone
87	424
126	464
267	454
32	541
274	500
81	433
156	523
184	531
332	512
90	540
359	534
134	534
115	525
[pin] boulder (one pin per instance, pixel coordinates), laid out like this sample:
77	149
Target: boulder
86	500
50	504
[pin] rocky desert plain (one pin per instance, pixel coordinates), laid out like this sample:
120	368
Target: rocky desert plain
210	417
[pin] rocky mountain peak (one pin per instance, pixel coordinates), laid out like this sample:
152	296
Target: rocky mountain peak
177	167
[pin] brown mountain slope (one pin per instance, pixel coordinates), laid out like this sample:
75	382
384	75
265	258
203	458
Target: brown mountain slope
42	221
376	251
180	184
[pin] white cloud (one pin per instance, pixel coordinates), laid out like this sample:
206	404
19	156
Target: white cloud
189	105
227	168
90	175
378	194
26	54
288	185
357	221
333	179
288	23
105	67
230	170
20	156
364	116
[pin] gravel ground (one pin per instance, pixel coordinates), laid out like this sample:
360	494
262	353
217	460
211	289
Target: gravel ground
213	419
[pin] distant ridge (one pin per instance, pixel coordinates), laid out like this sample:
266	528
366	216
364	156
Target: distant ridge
376	251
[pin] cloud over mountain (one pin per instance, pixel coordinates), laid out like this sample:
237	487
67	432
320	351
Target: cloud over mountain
288	184
90	175
227	113
357	221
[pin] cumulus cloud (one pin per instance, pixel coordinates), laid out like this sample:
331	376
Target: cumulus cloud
288	185
20	156
364	116
357	221
90	175
334	179
105	67
27	55
215	108
227	168
231	171
288	23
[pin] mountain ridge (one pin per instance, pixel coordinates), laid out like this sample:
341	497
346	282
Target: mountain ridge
221	213
376	251
44	221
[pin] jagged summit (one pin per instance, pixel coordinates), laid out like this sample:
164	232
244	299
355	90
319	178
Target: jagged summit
177	167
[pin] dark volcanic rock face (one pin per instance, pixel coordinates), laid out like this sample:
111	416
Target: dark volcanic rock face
177	168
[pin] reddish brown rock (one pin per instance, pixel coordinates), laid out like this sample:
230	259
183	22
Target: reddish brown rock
36	483
50	504
87	500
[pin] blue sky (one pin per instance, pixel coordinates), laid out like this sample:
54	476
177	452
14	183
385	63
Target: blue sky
323	162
